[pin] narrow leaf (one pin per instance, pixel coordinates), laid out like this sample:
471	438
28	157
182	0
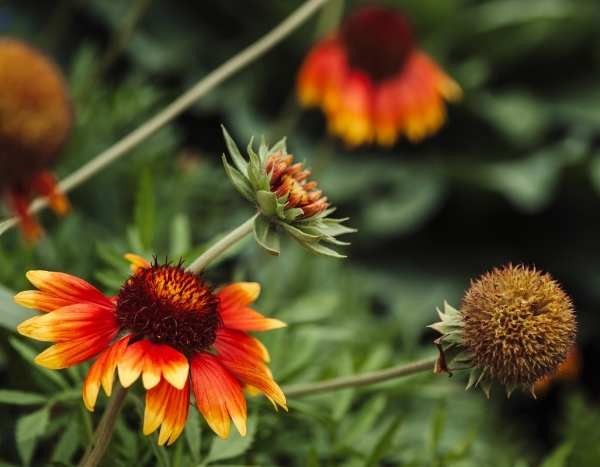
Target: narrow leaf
29	428
21	397
239	182
237	158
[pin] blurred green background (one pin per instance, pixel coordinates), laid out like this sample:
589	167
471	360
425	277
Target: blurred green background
513	177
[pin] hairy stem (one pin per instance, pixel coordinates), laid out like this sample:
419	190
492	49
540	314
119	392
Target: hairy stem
222	245
364	379
105	429
187	99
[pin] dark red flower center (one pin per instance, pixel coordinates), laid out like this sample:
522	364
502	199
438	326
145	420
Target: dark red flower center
168	305
378	41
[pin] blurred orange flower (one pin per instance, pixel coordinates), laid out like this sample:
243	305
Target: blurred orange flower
569	370
165	325
373	83
35	121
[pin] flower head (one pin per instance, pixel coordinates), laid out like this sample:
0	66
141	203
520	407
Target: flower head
515	326
286	199
373	82
35	120
165	325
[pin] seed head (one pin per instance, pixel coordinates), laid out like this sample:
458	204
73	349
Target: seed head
515	326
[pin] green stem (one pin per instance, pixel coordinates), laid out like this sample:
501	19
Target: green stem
105	429
364	379
186	100
222	245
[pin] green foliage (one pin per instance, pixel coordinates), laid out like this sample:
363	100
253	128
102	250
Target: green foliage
513	176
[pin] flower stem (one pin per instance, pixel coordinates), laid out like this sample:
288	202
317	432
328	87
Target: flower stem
364	379
105	429
222	245
182	103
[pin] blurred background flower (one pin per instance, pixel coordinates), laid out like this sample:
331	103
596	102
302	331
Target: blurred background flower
35	120
513	175
373	82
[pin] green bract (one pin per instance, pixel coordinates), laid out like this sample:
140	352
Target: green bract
252	179
452	350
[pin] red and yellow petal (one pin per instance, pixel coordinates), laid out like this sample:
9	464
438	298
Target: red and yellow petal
233	301
152	361
323	68
41	301
72	352
166	407
248	319
238	345
45	184
83	320
352	120
238	295
102	373
219	396
137	262
67	287
241	355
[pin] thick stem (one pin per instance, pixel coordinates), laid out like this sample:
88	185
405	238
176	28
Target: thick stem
209	82
105	429
222	245
364	379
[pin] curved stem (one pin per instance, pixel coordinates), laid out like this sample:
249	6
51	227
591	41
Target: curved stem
187	99
364	379
222	245
105	429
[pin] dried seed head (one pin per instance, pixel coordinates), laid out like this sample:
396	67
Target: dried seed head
518	324
291	179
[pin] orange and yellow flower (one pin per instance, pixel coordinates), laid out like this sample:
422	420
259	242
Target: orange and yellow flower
373	83
166	326
35	121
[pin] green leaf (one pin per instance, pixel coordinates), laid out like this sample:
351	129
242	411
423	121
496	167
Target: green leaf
21	397
233	446
437	427
362	422
28	430
300	235
28	354
383	444
239	182
11	314
67	444
193	434
145	210
558	457
265	234
237	158
319	249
